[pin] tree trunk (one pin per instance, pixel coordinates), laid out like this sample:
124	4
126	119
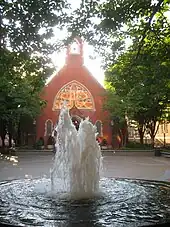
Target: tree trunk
141	138
153	141
125	133
19	134
3	140
26	138
3	131
10	132
121	138
141	129
152	131
141	135
10	139
124	139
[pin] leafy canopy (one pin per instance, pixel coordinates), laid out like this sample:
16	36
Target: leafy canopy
26	28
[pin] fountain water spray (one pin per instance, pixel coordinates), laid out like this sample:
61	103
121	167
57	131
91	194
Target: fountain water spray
78	161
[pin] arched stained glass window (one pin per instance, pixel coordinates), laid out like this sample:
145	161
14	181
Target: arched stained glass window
75	94
99	128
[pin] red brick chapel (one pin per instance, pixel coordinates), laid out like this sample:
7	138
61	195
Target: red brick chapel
83	93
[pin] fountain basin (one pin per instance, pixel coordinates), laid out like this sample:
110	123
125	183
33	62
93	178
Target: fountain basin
120	202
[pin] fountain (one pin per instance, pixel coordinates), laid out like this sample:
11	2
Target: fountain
76	194
77	158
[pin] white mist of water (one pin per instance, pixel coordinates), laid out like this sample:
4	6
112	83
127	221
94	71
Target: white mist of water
78	162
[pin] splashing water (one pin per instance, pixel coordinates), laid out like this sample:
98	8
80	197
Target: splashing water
78	162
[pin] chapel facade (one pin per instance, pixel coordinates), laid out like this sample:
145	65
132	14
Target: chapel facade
82	93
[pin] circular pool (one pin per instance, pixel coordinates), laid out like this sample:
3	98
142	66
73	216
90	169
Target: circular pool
120	202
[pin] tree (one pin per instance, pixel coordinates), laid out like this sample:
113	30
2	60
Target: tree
107	24
20	87
145	94
25	30
27	25
117	113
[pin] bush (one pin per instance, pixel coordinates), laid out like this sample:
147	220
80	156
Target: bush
136	145
39	144
41	141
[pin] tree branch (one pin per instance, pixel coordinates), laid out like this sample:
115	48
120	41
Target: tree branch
155	10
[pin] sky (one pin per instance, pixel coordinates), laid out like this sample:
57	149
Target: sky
93	65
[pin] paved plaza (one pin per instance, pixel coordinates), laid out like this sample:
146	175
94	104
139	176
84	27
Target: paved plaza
124	165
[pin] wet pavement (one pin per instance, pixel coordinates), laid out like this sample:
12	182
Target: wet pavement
128	165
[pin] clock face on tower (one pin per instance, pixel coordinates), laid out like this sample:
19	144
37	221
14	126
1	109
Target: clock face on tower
75	94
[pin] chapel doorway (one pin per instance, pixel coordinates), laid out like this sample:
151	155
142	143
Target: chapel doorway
76	121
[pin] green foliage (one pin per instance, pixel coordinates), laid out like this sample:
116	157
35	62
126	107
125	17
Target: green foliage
21	81
137	146
143	85
25	30
114	104
107	24
138	76
39	144
27	25
138	79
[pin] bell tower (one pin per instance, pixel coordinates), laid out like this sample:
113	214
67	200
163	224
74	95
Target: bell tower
74	55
